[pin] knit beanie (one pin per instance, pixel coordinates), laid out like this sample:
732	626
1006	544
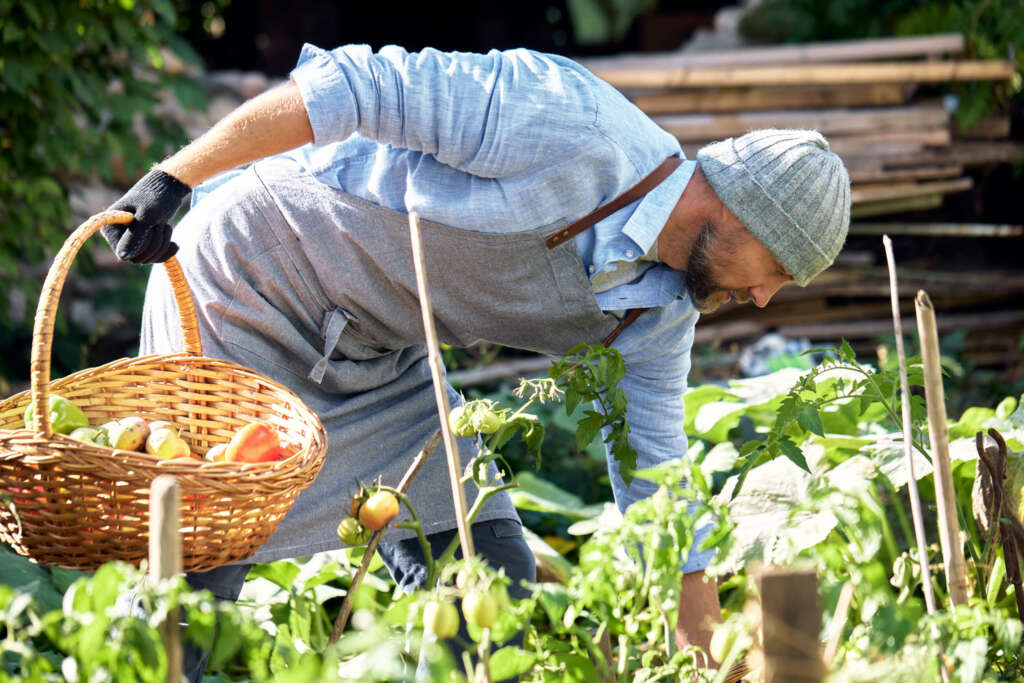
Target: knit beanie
789	190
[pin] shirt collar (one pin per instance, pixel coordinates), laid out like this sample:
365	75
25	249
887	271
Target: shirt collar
646	222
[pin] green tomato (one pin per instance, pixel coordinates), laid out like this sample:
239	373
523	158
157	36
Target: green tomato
352	532
459	421
65	416
441	619
480	609
486	421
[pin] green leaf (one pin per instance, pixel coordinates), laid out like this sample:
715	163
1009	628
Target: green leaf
534	493
554	599
17	572
282	573
572	400
587	429
846	352
574	668
511	661
793	452
808	417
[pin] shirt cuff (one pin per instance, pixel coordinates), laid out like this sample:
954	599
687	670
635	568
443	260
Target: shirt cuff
326	93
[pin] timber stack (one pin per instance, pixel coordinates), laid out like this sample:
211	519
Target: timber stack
877	102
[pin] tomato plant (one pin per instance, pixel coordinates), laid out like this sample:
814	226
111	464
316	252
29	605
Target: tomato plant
792	468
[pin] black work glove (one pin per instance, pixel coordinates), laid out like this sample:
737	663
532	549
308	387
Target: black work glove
154	200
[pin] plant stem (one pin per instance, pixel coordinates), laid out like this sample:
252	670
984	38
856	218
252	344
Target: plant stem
623	656
483	493
484	652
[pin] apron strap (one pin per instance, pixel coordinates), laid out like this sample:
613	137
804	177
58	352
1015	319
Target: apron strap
650	181
664	170
630	318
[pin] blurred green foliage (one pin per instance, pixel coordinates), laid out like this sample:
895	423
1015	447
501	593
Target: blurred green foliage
83	90
992	29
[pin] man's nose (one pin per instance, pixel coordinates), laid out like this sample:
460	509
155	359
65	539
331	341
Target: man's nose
762	294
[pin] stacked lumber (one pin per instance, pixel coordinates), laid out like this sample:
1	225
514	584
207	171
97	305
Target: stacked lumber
868	97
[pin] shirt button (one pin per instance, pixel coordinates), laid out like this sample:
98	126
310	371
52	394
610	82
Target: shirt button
629	253
591	269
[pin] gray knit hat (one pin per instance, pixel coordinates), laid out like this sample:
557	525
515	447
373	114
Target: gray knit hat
789	190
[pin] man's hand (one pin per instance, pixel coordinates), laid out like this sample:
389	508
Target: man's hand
154	200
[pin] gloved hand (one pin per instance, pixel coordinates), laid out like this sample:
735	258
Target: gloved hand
154	201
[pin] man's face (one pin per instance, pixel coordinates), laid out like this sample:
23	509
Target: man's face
728	263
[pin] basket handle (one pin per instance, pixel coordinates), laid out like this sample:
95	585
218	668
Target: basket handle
42	332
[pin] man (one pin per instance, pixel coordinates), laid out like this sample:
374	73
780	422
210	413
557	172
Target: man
301	266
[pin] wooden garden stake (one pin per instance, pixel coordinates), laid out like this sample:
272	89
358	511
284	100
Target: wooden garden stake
371	547
791	623
839	621
915	497
440	394
165	559
949	526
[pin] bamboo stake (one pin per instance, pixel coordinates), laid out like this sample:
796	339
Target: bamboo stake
838	622
371	547
165	560
440	392
915	497
949	526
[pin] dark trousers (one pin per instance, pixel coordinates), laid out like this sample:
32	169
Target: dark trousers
500	542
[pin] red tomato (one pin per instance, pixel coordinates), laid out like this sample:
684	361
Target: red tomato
256	442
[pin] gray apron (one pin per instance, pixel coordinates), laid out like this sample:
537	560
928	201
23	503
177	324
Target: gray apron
316	288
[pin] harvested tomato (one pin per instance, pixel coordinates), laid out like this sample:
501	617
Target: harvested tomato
378	510
255	442
440	619
480	608
351	532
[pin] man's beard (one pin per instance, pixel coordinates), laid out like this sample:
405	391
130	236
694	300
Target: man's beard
699	280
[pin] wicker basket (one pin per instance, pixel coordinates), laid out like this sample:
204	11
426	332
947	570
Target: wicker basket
76	505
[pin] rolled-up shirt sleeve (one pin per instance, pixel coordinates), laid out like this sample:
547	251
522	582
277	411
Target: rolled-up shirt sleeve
656	351
491	114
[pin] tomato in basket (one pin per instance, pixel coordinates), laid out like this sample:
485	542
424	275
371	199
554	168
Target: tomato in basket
255	442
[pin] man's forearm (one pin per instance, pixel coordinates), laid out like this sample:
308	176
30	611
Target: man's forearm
272	122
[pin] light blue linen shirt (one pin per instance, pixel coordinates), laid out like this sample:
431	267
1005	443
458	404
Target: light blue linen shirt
511	141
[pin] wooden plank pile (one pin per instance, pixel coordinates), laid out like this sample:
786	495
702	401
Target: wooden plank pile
876	102
899	146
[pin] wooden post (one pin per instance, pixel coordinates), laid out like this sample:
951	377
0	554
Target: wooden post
440	392
908	446
165	559
945	493
791	626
